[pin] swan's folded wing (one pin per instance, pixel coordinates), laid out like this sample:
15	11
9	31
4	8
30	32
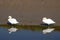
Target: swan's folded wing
50	21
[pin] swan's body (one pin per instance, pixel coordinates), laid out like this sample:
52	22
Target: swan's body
48	30
12	20
12	30
48	21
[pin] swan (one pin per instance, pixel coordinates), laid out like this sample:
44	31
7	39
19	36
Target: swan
12	30
47	21
48	30
12	20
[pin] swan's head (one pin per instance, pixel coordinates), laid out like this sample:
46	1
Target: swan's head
10	17
44	18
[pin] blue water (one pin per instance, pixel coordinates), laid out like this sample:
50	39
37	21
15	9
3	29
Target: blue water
28	35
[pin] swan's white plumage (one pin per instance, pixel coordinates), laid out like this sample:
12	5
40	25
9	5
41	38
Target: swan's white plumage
12	20
48	21
48	30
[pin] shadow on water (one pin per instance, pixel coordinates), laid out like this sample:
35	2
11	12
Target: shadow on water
30	27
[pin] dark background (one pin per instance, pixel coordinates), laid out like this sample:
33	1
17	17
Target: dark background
30	11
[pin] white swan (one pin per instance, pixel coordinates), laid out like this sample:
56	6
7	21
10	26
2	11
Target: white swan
48	21
48	30
12	30
12	20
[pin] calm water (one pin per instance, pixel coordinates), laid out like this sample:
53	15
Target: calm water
25	34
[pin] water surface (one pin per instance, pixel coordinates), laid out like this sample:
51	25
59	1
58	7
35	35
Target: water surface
26	33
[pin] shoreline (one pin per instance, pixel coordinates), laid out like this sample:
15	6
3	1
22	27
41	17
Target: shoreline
30	27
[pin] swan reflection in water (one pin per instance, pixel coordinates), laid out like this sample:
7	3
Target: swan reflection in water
12	29
48	30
